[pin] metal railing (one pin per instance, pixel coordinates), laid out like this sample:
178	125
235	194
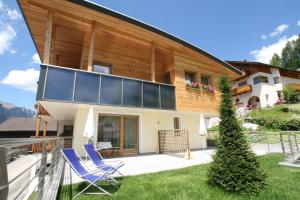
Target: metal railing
38	175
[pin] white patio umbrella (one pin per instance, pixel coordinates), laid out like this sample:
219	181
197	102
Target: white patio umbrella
89	126
202	128
89	129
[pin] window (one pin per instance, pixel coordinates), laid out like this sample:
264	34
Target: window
177	124
101	67
68	130
206	82
237	100
276	80
189	78
242	83
260	79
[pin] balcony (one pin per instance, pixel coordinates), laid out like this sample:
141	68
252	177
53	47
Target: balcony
296	86
241	90
78	86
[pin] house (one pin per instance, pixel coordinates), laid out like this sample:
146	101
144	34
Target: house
261	85
138	78
24	127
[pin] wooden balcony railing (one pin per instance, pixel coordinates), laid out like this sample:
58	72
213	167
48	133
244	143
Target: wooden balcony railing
71	85
241	90
296	86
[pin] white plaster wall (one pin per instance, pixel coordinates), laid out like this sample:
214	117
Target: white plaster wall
288	80
150	123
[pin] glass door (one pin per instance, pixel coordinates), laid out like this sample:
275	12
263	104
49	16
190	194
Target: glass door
130	128
109	131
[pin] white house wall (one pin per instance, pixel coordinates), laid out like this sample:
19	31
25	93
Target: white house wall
149	121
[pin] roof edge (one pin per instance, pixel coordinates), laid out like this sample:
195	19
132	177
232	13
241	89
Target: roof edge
136	22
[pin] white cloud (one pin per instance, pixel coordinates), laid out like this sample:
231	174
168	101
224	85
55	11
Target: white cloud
277	31
13	14
13	51
25	80
298	23
35	59
280	29
7	35
266	52
263	37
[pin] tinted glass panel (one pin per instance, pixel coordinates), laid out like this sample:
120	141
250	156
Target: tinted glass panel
167	94
41	83
132	94
60	83
151	95
111	89
87	87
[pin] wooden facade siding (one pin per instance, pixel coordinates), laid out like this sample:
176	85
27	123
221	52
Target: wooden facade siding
83	36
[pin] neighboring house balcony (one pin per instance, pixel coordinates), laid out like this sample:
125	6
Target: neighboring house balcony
241	90
296	86
60	84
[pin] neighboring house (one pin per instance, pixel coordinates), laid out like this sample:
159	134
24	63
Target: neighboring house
261	85
137	78
24	127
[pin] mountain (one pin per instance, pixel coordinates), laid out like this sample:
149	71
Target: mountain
8	110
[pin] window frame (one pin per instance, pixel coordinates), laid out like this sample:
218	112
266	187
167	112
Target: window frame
102	65
194	77
260	79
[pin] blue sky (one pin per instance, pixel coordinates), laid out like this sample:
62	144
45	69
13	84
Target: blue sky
229	29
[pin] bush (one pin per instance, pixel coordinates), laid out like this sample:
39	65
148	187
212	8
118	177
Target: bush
282	117
235	167
290	95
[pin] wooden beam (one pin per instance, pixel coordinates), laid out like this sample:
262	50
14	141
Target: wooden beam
37	126
52	52
91	47
83	50
48	38
45	128
152	62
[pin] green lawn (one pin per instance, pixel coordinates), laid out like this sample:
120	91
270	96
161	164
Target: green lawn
191	183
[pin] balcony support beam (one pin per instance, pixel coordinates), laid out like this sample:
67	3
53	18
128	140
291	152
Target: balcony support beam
48	39
91	47
152	62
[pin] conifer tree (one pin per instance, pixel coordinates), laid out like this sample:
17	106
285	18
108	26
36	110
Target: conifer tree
235	167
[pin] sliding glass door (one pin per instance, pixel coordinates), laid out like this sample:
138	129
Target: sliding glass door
119	132
130	134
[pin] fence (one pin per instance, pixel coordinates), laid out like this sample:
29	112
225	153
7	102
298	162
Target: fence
174	142
41	172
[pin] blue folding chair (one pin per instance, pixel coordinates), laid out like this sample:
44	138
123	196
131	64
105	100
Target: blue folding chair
98	161
102	174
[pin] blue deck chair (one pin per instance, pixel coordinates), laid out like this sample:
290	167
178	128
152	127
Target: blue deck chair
98	161
102	174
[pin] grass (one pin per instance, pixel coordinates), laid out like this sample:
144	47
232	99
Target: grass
280	112
191	183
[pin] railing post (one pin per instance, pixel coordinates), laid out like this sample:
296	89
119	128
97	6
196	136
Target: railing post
282	143
296	142
3	175
42	172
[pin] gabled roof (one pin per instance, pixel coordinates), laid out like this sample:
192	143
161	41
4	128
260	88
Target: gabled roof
248	64
24	124
109	12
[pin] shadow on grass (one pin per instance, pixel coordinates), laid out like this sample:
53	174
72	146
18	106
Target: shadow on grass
69	191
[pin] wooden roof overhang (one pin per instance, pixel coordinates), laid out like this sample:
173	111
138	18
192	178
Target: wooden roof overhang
74	18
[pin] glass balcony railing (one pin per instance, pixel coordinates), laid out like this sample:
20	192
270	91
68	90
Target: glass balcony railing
69	85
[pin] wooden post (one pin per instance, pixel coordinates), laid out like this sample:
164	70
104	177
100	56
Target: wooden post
91	47
52	55
45	128
83	50
37	126
152	63
188	151
48	36
3	175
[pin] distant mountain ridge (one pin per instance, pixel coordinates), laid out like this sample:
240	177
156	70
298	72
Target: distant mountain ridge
8	110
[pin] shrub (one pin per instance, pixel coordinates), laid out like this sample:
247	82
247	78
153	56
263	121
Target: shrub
235	167
290	95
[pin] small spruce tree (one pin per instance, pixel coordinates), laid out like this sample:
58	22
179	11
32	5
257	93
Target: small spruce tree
235	167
